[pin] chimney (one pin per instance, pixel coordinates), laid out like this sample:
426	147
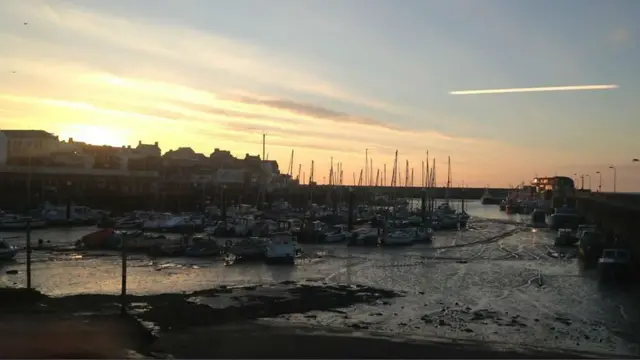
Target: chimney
70	140
139	142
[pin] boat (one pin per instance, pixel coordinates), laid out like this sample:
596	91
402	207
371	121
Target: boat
487	199
565	237
70	215
10	222
281	248
244	225
398	237
365	237
156	221
182	224
203	247
247	248
564	217
7	251
103	239
615	264
539	218
590	246
129	222
336	233
423	234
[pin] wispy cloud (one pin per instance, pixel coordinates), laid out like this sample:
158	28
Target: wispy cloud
534	89
78	69
180	44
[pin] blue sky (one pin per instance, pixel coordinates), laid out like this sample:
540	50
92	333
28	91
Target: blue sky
392	61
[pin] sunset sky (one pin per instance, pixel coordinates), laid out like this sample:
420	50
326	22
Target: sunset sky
331	78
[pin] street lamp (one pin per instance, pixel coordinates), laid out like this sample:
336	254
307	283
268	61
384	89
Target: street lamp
588	176
599	181
614	176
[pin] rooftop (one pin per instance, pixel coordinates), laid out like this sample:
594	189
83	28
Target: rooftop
28	134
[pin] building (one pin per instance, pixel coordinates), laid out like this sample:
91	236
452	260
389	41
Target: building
21	147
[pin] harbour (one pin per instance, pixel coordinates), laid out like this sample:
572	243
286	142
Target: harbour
499	280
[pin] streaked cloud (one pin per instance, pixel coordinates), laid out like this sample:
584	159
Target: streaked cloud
534	89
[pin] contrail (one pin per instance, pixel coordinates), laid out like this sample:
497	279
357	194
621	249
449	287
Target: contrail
534	89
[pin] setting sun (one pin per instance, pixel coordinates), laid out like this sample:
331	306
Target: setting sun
95	135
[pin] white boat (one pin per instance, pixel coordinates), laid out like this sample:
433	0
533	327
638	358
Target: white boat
7	251
244	225
336	233
57	214
399	237
281	248
16	222
156	221
179	223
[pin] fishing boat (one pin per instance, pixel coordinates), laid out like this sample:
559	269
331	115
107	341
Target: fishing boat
7	251
281	248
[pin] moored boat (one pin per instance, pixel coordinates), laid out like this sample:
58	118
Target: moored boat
281	248
7	251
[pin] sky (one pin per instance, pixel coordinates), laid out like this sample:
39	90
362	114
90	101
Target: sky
329	79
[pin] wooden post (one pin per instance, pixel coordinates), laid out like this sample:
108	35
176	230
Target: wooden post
29	253
123	287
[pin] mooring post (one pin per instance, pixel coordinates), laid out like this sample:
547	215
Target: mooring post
123	285
29	253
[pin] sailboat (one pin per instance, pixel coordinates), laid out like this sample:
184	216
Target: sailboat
448	217
488	199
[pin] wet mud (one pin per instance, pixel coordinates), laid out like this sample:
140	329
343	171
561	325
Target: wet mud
188	328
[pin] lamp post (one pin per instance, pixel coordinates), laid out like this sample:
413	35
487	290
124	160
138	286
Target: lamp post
614	176
599	181
589	182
